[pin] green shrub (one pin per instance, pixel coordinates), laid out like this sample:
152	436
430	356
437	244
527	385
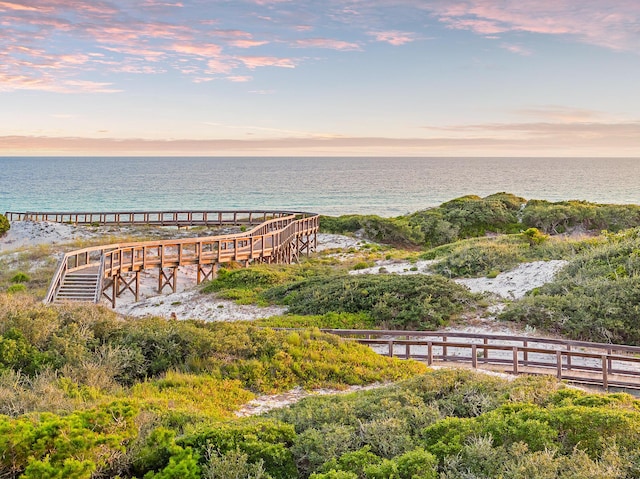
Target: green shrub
233	464
16	288
534	236
565	215
20	278
261	441
400	302
44	444
4	224
246	278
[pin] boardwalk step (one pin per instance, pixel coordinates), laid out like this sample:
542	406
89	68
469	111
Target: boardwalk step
78	287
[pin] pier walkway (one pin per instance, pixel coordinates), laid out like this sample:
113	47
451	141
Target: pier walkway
88	274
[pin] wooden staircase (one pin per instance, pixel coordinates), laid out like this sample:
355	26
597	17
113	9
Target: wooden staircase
79	287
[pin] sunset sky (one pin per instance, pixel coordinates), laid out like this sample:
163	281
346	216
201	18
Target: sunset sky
330	78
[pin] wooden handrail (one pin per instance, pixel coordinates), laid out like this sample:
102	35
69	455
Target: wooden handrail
158	218
600	364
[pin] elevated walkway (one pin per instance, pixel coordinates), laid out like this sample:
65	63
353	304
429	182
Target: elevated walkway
112	270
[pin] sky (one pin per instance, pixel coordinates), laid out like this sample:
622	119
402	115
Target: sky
320	78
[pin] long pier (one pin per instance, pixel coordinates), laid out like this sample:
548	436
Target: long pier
595	364
88	274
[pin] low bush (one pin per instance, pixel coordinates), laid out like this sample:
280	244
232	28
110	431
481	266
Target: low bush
398	302
20	277
4	224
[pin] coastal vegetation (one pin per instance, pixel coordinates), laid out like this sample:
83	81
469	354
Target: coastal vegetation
472	216
595	297
87	393
4	224
84	393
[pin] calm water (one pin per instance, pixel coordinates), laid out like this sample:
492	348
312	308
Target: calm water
384	186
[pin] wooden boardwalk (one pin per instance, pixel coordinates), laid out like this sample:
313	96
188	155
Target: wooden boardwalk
276	237
595	364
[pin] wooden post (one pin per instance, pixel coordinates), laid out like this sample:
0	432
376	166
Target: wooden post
515	360
114	291
485	341
429	353
559	364
568	357
391	348
525	353
605	375
137	286
407	351
444	348
474	356
174	282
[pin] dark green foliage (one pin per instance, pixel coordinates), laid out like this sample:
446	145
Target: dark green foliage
18	354
45	445
563	428
468	216
473	216
262	441
396	231
564	215
4	224
460	218
399	302
233	464
249	278
340	433
20	277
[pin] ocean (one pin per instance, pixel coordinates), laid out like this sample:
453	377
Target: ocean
332	186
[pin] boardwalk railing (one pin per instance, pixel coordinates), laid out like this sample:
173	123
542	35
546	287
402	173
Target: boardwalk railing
277	237
153	218
599	364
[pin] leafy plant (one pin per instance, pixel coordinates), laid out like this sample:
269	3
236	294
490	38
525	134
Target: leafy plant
402	302
4	224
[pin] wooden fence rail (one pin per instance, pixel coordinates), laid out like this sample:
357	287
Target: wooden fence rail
154	218
597	364
276	237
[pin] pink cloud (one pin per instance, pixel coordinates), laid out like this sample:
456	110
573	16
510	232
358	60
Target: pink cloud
394	37
255	62
233	34
17	7
219	67
326	43
247	43
517	49
204	50
590	21
239	78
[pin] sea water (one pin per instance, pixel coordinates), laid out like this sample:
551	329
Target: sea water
333	186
